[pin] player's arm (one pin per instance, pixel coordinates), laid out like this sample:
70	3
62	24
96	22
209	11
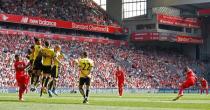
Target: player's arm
207	86
32	52
123	76
91	66
76	62
59	61
196	78
16	68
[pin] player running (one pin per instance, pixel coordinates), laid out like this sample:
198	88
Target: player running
190	81
204	86
120	76
55	70
21	78
37	64
85	66
47	60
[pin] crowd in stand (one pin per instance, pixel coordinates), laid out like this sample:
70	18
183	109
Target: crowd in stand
145	68
83	11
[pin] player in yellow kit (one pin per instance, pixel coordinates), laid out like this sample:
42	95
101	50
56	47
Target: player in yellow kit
37	63
47	61
55	70
85	67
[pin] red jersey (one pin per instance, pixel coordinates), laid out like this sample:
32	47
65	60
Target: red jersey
19	68
120	76
191	75
204	83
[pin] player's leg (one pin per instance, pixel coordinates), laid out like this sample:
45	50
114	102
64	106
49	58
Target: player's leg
207	91
120	89
20	93
54	86
201	90
20	88
46	78
33	78
22	83
181	90
43	90
81	90
39	68
55	80
31	74
50	84
38	76
48	73
87	82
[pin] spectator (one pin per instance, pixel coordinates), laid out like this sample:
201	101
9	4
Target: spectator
145	68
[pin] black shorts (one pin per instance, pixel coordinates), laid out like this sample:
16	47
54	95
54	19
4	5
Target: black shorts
55	71
31	62
37	64
46	69
84	80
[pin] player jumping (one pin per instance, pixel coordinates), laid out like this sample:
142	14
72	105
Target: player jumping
55	70
37	64
120	80
21	78
204	86
85	66
190	81
47	60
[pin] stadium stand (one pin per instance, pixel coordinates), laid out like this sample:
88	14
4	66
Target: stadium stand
145	68
83	11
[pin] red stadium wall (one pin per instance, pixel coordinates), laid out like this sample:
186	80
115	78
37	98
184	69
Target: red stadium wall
59	24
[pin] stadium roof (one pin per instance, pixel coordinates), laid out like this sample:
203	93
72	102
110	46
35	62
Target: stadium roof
193	7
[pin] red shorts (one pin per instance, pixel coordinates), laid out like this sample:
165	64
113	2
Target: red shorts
204	87
188	83
22	79
120	84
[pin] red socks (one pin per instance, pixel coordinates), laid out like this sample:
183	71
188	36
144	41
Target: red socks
120	91
181	91
22	89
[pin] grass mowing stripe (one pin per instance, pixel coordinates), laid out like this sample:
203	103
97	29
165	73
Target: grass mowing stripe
109	102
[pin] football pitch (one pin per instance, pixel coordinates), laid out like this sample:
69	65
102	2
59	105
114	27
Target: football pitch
106	102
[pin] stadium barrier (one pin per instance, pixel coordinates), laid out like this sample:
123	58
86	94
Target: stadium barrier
106	90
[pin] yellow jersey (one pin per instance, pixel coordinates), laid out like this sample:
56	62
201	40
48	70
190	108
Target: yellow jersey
30	57
58	57
47	56
85	67
37	49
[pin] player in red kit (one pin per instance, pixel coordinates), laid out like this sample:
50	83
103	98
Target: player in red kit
120	80
204	86
190	81
21	78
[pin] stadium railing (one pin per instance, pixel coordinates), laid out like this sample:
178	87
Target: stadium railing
108	90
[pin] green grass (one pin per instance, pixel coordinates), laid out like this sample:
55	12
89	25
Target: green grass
106	102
